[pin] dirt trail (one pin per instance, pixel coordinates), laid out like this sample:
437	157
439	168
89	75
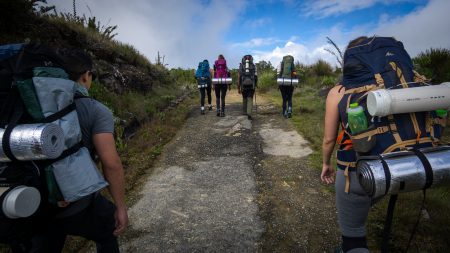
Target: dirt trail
233	185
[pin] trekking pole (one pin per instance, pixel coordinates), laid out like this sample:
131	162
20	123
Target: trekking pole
256	105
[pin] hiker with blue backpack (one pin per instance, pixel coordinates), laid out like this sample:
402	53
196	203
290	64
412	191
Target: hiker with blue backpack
203	76
370	65
286	73
221	71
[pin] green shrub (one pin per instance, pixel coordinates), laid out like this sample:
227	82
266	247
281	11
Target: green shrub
434	64
266	80
321	68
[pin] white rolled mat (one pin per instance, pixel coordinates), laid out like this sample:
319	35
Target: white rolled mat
34	142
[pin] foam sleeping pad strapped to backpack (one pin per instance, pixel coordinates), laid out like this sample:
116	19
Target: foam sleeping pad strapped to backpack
34	88
381	63
247	72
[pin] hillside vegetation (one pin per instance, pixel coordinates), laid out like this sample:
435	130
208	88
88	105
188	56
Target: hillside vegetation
140	94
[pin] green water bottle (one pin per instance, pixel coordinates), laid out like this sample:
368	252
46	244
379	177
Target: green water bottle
357	120
441	113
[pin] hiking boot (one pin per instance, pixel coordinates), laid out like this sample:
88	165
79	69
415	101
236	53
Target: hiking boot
202	111
289	112
218	113
249	117
210	107
222	114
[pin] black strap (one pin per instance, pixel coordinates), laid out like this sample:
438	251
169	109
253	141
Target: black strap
59	114
427	167
422	207
388	224
18	107
64	154
387	175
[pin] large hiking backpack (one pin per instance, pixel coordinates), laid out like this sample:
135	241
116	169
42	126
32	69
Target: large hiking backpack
221	69
287	66
35	90
203	69
381	63
247	72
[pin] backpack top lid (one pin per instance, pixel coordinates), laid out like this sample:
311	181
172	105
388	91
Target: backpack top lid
203	69
373	56
247	57
288	58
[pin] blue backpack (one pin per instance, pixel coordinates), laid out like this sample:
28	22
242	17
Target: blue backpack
203	69
381	63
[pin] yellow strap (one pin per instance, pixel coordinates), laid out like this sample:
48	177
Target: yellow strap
406	143
347	180
348	102
418	78
346	164
399	74
394	130
379	79
415	124
364	88
378	130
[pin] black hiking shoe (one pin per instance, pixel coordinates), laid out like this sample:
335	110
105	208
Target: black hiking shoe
210	108
222	114
249	117
202	112
289	115
218	114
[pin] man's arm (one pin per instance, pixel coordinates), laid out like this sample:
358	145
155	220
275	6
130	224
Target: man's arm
113	171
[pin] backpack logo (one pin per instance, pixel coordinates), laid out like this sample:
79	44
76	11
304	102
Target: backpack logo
389	54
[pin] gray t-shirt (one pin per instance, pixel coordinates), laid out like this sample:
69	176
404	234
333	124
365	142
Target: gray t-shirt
94	118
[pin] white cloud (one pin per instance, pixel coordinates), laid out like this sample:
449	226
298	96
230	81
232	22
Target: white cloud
420	30
184	31
256	42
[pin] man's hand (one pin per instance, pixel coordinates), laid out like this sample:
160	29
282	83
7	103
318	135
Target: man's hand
121	218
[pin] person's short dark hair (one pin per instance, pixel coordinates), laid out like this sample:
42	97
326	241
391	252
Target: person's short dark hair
76	62
221	57
356	41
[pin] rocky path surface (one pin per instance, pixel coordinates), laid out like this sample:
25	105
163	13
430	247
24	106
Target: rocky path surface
229	184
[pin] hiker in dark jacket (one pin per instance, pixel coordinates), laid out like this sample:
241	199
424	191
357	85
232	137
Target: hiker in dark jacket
221	71
286	69
93	217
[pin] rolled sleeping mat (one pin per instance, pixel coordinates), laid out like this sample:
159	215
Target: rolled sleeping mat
222	80
34	142
287	81
404	171
20	202
394	101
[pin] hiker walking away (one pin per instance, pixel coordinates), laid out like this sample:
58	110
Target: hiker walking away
203	76
393	132
247	82
221	71
93	217
286	69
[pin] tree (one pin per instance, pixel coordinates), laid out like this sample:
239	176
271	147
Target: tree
336	52
264	66
434	64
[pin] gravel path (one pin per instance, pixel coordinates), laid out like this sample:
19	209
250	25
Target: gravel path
233	185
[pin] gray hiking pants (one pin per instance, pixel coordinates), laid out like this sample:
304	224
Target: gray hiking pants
247	101
352	207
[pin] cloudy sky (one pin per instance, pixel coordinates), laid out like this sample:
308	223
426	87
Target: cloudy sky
188	31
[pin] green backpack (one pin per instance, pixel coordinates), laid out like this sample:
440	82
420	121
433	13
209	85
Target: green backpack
287	66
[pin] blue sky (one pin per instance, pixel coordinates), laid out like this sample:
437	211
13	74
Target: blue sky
188	31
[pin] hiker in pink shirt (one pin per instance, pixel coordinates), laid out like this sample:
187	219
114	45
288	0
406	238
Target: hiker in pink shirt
221	71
